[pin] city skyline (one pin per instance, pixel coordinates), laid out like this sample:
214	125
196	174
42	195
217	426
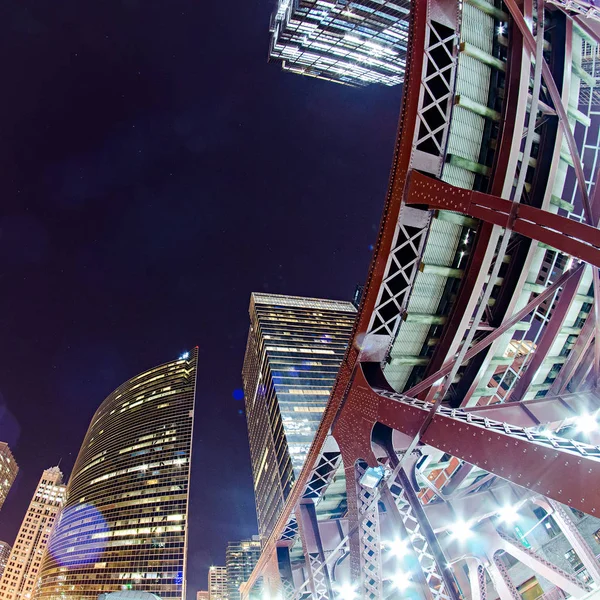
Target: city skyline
98	211
92	223
156	175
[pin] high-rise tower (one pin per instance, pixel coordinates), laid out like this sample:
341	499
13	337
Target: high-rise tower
8	471
294	350
23	565
355	43
217	583
124	525
240	560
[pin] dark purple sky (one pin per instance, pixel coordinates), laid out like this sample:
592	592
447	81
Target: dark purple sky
154	170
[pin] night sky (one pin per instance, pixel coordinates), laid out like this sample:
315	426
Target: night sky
154	170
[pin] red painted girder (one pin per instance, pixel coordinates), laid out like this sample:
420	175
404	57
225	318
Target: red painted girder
561	111
494	335
547	339
501	184
566	235
550	409
568	476
584	339
552	329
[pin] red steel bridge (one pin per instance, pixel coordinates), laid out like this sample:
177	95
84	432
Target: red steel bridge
470	386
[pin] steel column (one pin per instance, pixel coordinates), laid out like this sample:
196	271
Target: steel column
565	581
573	535
317	570
371	581
477	579
432	561
285	572
501	579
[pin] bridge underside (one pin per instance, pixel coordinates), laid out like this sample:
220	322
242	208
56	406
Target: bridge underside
458	455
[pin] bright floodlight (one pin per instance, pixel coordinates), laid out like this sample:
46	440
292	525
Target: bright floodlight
397	548
461	530
401	580
586	423
346	591
508	514
184	356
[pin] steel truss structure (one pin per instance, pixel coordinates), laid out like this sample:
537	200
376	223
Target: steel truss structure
488	242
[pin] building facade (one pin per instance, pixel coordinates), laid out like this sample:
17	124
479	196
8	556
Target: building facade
240	560
23	566
124	526
355	43
5	549
202	595
8	471
217	583
294	350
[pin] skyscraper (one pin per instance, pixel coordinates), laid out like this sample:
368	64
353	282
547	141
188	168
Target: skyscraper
240	559
5	549
124	526
217	583
355	43
294	350
23	566
8	471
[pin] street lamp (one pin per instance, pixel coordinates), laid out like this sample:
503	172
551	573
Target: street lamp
346	591
397	548
461	530
586	423
508	514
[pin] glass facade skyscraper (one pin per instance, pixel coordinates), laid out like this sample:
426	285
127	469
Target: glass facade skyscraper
124	525
355	42
294	350
240	560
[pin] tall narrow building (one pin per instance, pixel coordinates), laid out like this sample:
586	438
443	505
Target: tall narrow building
22	569
124	526
240	560
217	583
5	549
8	471
294	350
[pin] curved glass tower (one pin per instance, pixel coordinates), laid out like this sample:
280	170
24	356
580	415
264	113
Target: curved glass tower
124	525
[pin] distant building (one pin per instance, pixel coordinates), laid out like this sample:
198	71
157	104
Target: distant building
8	471
203	595
124	526
294	350
23	566
240	560
217	583
5	549
355	43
